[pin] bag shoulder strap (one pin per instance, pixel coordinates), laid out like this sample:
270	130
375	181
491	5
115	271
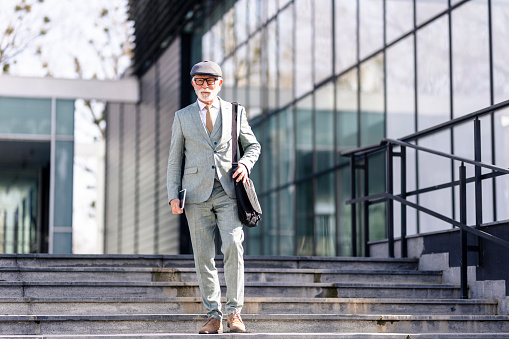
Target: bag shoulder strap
235	109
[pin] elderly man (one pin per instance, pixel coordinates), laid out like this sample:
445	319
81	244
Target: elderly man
201	137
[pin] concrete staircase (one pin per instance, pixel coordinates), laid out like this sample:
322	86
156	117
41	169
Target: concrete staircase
122	296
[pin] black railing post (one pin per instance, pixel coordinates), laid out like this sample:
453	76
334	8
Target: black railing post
478	186
404	248
390	202
366	206
353	181
463	234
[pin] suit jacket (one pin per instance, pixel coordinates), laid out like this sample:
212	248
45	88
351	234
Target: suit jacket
190	140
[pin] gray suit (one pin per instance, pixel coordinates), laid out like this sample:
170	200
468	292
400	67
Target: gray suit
203	156
210	200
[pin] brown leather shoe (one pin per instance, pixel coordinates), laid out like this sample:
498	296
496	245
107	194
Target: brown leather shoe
235	323
212	326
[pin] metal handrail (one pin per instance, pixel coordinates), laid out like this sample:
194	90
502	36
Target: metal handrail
387	145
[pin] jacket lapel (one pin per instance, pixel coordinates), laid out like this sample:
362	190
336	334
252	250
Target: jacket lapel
195	113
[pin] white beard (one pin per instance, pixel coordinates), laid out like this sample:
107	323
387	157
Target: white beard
206	94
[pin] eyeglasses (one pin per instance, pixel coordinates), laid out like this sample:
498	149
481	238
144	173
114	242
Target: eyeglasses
200	81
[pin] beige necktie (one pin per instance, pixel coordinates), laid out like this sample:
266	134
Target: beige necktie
208	119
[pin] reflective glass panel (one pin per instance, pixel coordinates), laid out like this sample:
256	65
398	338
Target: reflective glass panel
323	40
241	76
229	32
255	72
427	9
344	211
371	28
253	10
228	89
500	18
272	66
270	225
217	52
270	147
286	221
303	47
285	56
470	57
241	21
286	163
325	216
433	80
64	160
345	23
304	137
372	101
501	132
399	18
324	127
25	116
346	106
400	89
304	212
65	117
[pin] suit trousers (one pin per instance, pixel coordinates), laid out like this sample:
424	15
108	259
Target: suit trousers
221	211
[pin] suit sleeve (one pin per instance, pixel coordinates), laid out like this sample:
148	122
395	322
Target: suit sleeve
173	173
248	141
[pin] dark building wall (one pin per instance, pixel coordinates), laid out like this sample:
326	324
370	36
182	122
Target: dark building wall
138	218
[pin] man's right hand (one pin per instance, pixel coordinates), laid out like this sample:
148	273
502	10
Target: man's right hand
175	206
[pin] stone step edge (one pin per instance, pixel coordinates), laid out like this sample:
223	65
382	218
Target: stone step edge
247	284
287	335
296	300
190	257
276	335
193	270
253	317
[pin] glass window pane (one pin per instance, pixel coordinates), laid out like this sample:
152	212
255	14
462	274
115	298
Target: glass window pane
65	117
346	106
285	51
400	89
228	88
25	116
433	96
253	10
372	101
206	46
435	170
371	28
241	21
241	79
304	142
344	212
305	218
500	17
399	18
217	53
270	153
272	66
303	47
255	72
286	163
345	34
427	9
286	221
229	42
501	132
64	159
470	57
270	223
323	40
324	127
325	216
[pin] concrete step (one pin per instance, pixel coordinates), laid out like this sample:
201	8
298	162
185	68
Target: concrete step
18	289
184	274
253	305
255	323
275	336
174	261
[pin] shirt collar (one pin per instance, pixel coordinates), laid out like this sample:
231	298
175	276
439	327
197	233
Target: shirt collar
214	104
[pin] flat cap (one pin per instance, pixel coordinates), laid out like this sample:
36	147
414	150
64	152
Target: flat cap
207	68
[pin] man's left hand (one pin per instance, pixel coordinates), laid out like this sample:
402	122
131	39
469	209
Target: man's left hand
241	173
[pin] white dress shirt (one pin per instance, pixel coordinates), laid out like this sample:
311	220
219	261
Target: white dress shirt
214	112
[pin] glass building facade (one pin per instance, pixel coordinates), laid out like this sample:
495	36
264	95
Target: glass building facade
322	77
36	175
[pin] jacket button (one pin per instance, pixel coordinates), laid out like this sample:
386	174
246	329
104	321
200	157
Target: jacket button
213	167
